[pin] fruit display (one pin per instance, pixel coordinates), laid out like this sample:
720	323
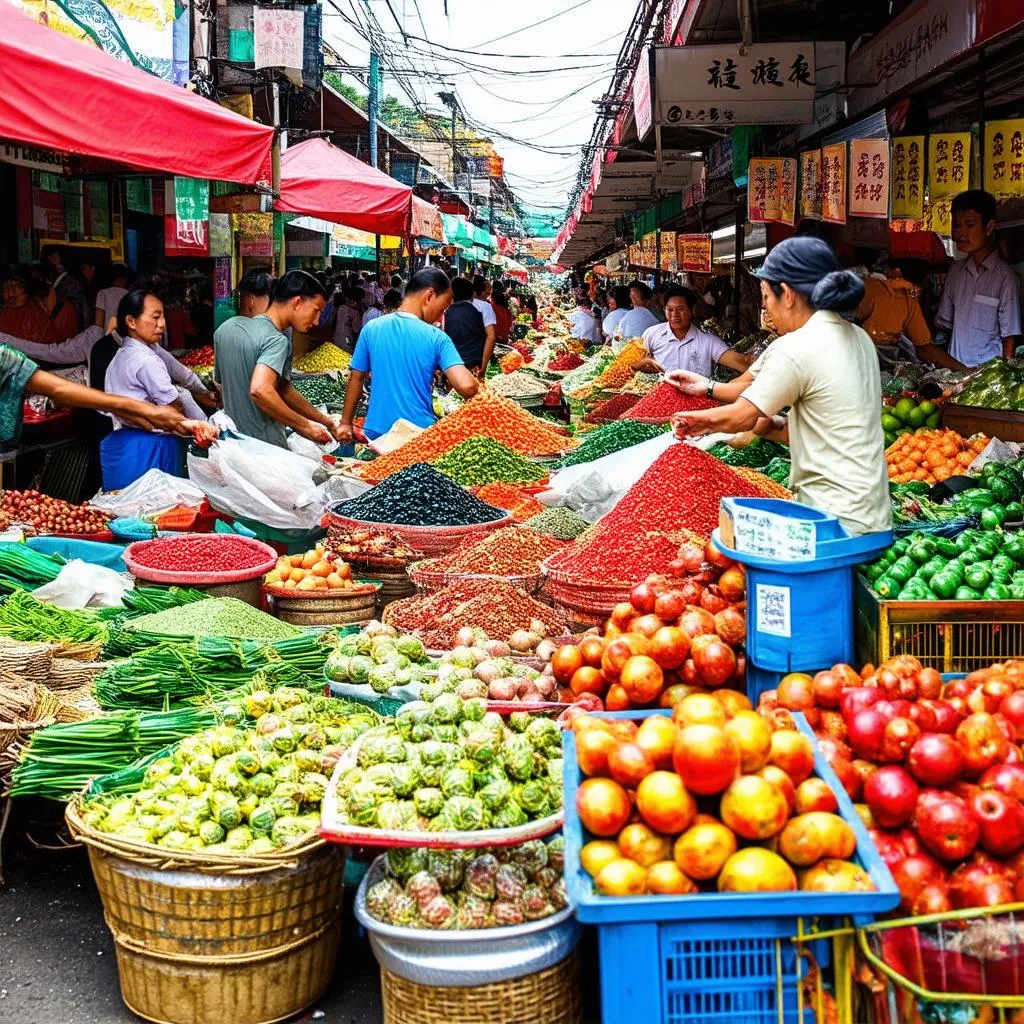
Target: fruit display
998	385
560	523
613	437
931	455
937	767
756	455
749	833
468	889
486	668
320	389
198	357
381	658
322	359
317	569
907	415
449	766
52	515
978	565
252	786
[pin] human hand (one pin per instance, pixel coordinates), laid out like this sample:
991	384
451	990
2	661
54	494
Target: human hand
203	433
343	433
689	383
207	400
315	432
165	418
680	426
111	324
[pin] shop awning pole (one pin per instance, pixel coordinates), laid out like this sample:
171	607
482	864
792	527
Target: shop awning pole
981	114
737	283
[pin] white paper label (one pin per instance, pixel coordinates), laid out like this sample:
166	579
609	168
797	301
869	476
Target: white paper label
768	535
773	610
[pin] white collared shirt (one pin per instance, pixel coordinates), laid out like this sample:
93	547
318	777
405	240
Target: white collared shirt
697	351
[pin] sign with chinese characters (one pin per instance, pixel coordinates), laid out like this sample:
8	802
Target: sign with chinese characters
668	251
649	250
717	84
694	253
1004	157
771	192
833	183
810	183
191	198
642	105
907	162
869	178
949	164
278	36
185	237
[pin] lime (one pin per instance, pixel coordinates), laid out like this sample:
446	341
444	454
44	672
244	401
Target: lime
889	422
903	430
928	407
915	418
902	409
890	439
934	421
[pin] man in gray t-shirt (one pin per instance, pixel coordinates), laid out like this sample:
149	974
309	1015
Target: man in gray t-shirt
253	364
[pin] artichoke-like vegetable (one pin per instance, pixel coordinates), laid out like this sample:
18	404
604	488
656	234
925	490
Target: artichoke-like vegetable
473	913
493	721
225	740
481	745
466	814
533	797
225	810
382	776
402	862
439	913
262	818
404	722
411	646
510	881
403	910
239	838
494	794
480	875
395	750
405	778
546	877
285	739
348	645
509	815
535	903
432	691
247	762
448	867
423	887
519	721
559	894
517	758
361	804
263	784
447	709
556	854
431	752
289	830
457	782
545	736
381	678
428	801
430	774
299	714
359	669
372	750
382	648
314	786
486	774
507	913
338	667
210	832
379	897
531	856
448	733
175	840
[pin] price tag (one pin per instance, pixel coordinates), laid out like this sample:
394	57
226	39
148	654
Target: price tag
773	610
768	535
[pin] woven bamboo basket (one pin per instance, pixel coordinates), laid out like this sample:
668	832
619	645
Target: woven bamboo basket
325	607
393	586
551	996
29	661
70	674
204	939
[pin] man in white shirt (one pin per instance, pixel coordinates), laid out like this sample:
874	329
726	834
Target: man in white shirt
481	299
618	307
108	299
639	318
584	325
680	345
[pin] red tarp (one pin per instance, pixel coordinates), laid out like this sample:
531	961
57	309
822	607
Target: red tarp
66	95
321	180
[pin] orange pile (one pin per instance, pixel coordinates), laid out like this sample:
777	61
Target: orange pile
931	455
512	498
486	415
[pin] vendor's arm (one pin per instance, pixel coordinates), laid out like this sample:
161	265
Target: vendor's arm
300	404
353	393
916	329
735	360
725	419
265	394
462	380
63	353
773	428
695	384
485	359
646	365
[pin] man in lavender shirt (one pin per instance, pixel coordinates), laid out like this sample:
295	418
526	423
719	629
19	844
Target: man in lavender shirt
679	344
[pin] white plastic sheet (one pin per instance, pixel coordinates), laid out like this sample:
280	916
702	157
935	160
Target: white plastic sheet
995	451
154	491
83	585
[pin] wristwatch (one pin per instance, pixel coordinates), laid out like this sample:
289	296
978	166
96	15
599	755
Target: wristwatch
710	393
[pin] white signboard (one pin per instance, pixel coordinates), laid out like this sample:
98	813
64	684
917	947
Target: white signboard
717	85
37	159
278	37
772	610
768	535
642	111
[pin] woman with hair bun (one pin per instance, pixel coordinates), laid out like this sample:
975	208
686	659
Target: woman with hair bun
824	370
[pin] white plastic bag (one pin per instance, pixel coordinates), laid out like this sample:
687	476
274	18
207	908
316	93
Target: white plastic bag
401	432
82	585
154	491
995	451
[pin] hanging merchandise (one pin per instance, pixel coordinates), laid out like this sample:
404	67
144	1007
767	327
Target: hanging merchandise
833	183
771	193
694	253
949	172
869	178
810	184
908	177
668	252
1004	158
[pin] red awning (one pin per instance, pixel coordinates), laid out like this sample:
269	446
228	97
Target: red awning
321	180
65	95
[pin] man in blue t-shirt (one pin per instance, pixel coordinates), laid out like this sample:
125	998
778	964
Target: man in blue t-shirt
402	351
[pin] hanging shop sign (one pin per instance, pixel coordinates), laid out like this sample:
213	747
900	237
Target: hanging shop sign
186	237
278	37
869	178
717	84
1004	158
924	38
949	172
669	258
833	183
810	184
694	253
255	234
907	162
649	250
36	159
771	192
642	105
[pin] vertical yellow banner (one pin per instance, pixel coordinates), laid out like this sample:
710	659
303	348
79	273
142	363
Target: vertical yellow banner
949	164
1004	157
810	183
907	163
833	183
771	191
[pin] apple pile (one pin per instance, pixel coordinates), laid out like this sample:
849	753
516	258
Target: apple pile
938	769
710	799
675	635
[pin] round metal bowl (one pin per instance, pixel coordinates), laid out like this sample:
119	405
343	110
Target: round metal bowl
460	959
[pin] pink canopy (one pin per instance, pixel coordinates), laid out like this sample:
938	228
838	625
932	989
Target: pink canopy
63	94
320	180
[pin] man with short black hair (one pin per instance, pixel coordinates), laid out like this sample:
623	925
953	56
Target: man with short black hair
403	351
254	292
253	365
464	324
481	299
639	318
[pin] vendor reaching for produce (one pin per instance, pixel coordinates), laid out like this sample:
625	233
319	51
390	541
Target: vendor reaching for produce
403	351
253	364
680	345
825	370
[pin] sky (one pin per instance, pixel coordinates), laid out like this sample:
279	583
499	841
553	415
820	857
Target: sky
526	92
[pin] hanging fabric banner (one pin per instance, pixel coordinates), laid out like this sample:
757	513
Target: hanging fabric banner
810	184
907	177
255	234
771	191
668	252
694	253
1004	158
648	250
833	183
949	172
869	178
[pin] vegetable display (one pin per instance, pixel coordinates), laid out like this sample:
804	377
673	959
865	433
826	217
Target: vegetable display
512	498
512	551
22	617
664	402
756	455
21	568
317	569
612	438
52	515
322	359
566	361
486	668
217	616
320	389
381	657
620	371
202	553
611	409
368	546
998	385
419	495
469	889
482	460
453	766
198	357
560	523
931	455
517	385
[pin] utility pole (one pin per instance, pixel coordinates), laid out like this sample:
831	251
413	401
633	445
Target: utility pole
372	107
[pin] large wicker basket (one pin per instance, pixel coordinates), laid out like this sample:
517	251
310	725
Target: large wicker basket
325	607
551	996
204	939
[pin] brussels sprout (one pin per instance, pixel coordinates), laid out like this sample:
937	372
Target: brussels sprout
383	777
262	818
175	840
546	877
507	913
423	887
299	714
262	844
404	723
348	645
361	804
556	853
494	794
239	838
224	740
481	745
484	775
338	667
359	669
456	782
289	830
439	913
473	913
545	736
159	769
421	733
431	752
447	709
402	862
287	771
411	646
315	738
430	774
448	867
314	786
192	785
381	648
509	814
559	894
372	750
531	856
248	804
404	779
493	721
290	791
431	691
519	721
394	750
247	762
533	798
285	739
403	911
480	874
225	810
447	733
286	697
517	758
466	814
535	903
428	801
509	882
394	815
381	678
202	766
474	709
379	897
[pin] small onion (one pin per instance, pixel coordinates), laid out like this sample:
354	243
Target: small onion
538	627
523	641
545	649
479	654
497	649
503	689
465	637
488	671
545	686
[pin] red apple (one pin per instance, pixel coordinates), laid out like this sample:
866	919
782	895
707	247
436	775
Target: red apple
935	759
865	732
946	826
889	847
643	598
989	695
982	742
946	718
958	688
932	899
986	890
897	708
909	841
891	794
1001	820
669	606
857	698
899	736
912	874
1012	709
828	688
1007	778
929	683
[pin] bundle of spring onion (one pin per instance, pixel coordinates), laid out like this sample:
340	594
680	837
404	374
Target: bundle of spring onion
147	600
22	617
21	568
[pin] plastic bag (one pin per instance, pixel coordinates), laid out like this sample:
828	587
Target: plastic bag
154	491
81	585
401	432
255	480
995	451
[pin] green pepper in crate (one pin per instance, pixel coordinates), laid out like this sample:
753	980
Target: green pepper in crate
922	550
966	594
996	591
945	584
886	587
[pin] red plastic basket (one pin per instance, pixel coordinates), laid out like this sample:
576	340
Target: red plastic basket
203	579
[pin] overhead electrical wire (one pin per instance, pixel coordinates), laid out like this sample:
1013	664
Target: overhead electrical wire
535	24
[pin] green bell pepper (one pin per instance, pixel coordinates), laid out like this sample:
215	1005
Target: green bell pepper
944	584
996	592
967	594
978	576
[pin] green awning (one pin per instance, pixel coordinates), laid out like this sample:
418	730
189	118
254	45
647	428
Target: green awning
457	230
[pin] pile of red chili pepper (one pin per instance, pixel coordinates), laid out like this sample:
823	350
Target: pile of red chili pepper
486	415
664	401
511	551
566	361
193	553
611	409
510	497
199	357
495	607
